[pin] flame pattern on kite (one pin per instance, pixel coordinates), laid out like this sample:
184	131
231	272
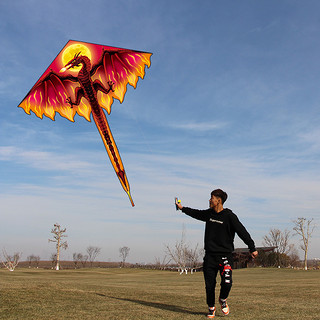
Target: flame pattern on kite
83	79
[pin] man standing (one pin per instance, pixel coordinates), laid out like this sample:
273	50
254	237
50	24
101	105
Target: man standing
221	226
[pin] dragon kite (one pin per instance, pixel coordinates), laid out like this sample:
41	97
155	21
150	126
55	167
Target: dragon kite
84	78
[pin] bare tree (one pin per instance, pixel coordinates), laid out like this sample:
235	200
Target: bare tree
34	258
76	258
53	259
58	235
30	259
161	264
193	256
123	253
10	262
304	228
294	257
177	254
79	257
280	240
37	260
83	259
183	256
93	252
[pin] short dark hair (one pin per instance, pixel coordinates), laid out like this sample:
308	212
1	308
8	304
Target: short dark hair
220	194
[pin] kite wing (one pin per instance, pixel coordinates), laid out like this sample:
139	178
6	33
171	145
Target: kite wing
49	96
120	66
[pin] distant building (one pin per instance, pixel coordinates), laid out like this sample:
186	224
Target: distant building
242	258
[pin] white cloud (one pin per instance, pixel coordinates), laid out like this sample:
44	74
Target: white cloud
198	126
261	200
312	138
43	160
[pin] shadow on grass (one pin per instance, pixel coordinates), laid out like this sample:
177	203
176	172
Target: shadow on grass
162	306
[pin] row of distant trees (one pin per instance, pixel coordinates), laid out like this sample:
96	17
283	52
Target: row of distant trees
285	253
184	256
79	258
58	235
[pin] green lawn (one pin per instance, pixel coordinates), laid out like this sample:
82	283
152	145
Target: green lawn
90	294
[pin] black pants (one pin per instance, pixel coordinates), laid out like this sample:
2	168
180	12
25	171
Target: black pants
211	265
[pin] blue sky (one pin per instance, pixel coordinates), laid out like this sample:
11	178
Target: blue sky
231	100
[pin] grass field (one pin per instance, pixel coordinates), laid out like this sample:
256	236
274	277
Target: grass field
90	294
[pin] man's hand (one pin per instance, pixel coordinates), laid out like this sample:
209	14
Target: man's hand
254	254
178	204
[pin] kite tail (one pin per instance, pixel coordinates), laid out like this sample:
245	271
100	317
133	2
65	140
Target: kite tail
102	124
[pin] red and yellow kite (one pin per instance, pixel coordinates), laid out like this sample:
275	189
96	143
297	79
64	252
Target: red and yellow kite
85	78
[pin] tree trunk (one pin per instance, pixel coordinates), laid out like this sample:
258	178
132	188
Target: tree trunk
58	255
306	260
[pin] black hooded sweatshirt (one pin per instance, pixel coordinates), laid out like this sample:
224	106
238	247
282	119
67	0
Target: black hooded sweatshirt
220	230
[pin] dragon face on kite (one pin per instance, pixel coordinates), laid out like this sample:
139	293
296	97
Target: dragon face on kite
75	62
93	75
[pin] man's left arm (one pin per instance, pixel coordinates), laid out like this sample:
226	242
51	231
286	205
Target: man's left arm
244	235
